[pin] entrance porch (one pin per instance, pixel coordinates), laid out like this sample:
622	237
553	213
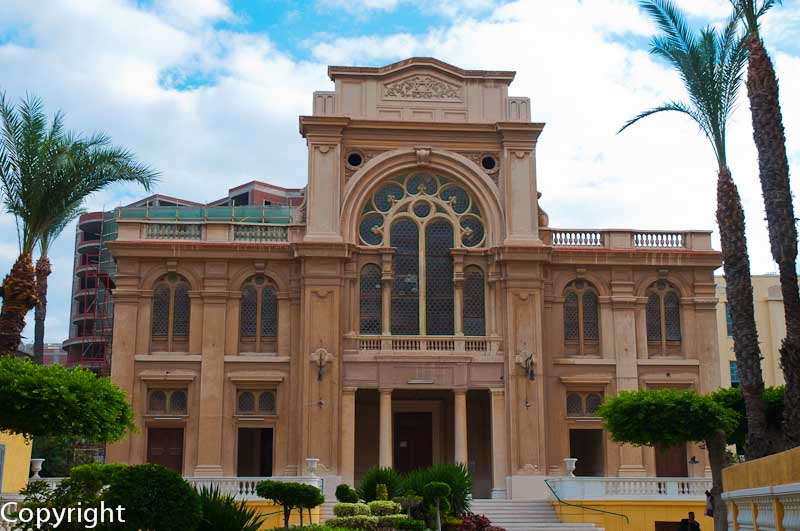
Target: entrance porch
412	428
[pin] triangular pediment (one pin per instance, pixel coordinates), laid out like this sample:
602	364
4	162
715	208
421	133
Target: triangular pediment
405	66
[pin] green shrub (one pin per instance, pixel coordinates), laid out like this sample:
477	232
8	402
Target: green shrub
438	492
456	476
384	508
351	509
346	494
375	476
291	496
155	499
363	523
316	527
381	492
401	522
222	512
94	476
408	502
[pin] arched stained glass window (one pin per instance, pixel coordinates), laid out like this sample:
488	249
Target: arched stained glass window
170	313
258	313
405	288
581	318
439	278
474	302
663	319
371	303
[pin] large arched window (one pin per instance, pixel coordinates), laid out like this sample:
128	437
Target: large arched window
474	302
581	318
170	314
258	315
422	217
663	319
370	300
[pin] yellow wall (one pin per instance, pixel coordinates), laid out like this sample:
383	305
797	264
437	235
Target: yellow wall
642	514
777	469
274	514
17	462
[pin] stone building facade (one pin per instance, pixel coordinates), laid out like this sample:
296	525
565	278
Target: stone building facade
417	308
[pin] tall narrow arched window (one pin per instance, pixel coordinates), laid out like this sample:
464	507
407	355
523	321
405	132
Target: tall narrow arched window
474	302
258	315
581	318
405	288
439	316
170	314
370	300
663	319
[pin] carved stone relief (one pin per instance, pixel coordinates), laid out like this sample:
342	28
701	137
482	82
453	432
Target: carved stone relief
422	87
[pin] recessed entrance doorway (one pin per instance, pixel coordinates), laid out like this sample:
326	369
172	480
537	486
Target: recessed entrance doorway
254	454
413	440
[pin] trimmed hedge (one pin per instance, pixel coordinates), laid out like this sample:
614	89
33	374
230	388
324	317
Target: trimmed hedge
373	523
346	494
384	508
343	510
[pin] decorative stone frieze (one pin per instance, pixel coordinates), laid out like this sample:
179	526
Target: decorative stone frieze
422	87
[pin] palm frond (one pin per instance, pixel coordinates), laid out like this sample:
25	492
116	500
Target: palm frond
750	11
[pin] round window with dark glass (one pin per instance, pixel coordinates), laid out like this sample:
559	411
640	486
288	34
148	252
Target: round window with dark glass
488	163
354	159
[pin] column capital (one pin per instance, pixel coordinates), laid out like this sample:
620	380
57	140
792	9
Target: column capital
460	391
497	391
349	390
385	390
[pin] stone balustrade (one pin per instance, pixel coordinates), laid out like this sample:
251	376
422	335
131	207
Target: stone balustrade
624	488
775	508
486	346
216	232
627	239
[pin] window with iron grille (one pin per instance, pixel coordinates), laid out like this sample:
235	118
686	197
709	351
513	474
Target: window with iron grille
728	320
258	311
474	302
423	217
167	402
370	300
583	403
734	370
581	318
170	314
663	319
254	402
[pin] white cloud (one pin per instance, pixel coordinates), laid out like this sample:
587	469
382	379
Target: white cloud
438	7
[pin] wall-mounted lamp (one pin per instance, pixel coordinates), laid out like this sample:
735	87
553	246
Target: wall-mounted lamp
321	357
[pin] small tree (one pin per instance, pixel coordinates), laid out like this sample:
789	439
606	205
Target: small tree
670	417
59	402
346	494
291	496
437	492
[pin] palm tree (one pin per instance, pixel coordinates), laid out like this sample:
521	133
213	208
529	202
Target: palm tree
43	269
773	169
45	175
711	65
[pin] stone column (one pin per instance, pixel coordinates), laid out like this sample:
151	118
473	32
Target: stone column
347	459
123	370
460	426
387	276
212	368
385	459
499	456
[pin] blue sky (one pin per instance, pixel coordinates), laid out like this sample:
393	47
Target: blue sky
208	92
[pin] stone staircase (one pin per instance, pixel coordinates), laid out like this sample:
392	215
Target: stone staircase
525	515
512	515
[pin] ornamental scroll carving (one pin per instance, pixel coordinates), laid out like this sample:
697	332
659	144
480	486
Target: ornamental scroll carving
422	88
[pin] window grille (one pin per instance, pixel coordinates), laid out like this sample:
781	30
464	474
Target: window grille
157	402
178	402
160	311
246	402
732	367
269	312
593	401
663	319
370	300
581	318
439	279
574	405
474	302
672	319
571	330
653	317
405	287
248	310
591	330
181	308
728	319
266	403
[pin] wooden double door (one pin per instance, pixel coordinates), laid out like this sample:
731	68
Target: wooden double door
413	440
165	448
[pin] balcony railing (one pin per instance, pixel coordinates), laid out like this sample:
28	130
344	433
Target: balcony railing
627	239
608	488
241	488
216	231
486	346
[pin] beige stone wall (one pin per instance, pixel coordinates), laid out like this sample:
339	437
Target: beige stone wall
514	430
770	323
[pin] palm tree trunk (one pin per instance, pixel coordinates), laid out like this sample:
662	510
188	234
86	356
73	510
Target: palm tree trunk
739	289
42	272
773	170
717	457
19	296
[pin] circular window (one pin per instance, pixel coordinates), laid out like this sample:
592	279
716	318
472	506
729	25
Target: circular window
422	209
488	162
354	159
